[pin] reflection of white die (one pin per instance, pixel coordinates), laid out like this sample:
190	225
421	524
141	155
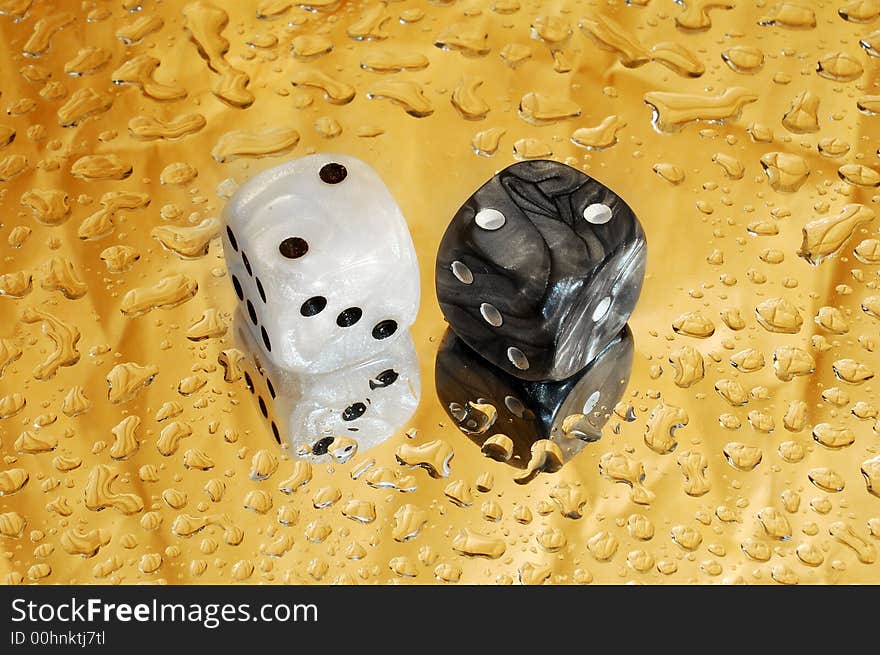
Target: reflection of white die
322	261
354	408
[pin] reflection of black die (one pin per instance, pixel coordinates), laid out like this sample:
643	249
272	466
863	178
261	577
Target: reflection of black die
485	401
540	269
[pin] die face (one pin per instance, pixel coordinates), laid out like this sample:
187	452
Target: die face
313	247
336	413
540	269
485	401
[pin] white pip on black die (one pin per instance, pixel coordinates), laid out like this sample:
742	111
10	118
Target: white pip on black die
339	412
484	401
322	262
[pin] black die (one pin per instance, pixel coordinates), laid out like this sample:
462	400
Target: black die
540	269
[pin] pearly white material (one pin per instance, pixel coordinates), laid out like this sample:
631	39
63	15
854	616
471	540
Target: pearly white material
387	389
491	315
602	308
367	403
598	214
591	402
518	358
462	273
490	219
333	258
514	406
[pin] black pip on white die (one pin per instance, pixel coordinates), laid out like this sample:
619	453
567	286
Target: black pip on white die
540	269
322	262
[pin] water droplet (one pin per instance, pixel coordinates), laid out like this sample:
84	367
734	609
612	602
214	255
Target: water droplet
12	166
187	242
406	93
677	58
389	61
244	144
674	110
433	456
743	58
168	292
64	337
44	31
823	237
205	23
621	467
688	365
541	109
670	172
466	100
860	11
99	493
779	315
843	533
613	37
310	46
664	420
139	28
785	171
470	40
694	324
369	26
839	66
486	143
515	54
859	175
474	544
790	14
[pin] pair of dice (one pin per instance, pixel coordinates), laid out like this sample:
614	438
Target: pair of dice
537	275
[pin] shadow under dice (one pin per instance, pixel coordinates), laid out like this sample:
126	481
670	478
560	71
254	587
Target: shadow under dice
486	402
335	413
540	269
322	262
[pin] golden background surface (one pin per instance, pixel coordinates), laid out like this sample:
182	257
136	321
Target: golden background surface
739	132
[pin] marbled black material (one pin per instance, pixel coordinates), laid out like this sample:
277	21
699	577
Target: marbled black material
527	411
540	269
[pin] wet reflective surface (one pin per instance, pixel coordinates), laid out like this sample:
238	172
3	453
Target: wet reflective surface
743	136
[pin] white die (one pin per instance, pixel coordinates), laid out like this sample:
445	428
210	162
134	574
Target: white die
340	412
322	261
